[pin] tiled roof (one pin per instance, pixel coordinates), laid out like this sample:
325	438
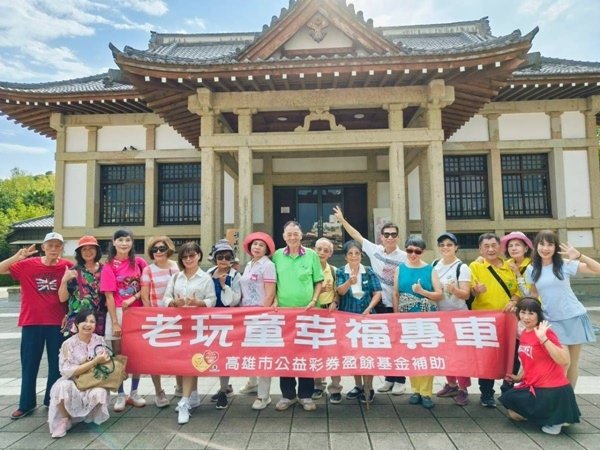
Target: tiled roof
36	222
539	65
432	39
110	81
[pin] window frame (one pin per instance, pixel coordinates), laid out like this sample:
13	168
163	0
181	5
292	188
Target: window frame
132	183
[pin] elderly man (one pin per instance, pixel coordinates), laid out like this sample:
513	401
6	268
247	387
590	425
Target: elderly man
299	280
494	287
385	259
41	314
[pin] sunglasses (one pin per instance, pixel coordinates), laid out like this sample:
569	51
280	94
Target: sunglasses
416	251
189	256
390	235
221	257
160	249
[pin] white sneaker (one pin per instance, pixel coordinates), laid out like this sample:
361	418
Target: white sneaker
194	399
387	387
249	389
552	429
398	389
178	391
120	403
161	400
183	409
136	400
285	403
308	404
261	403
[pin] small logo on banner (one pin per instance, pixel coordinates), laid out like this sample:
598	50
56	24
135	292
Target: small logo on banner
203	361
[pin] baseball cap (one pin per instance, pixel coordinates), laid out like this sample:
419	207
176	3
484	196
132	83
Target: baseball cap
53	236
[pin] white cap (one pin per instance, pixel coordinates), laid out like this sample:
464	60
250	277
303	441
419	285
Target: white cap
53	236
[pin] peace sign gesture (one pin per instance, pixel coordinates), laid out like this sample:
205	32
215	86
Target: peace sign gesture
24	253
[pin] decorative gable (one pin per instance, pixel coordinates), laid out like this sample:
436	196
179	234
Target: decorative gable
316	28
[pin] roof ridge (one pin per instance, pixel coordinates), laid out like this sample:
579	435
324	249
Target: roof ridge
550	59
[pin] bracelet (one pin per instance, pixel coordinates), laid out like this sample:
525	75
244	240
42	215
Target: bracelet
580	255
547	339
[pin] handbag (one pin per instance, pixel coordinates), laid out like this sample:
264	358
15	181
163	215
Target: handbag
109	375
412	303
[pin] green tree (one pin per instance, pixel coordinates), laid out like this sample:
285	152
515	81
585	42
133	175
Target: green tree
23	196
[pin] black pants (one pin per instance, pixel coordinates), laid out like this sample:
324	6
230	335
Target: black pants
389	310
486	387
306	386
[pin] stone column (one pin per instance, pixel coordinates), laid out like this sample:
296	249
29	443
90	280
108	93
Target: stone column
57	123
150	194
433	214
396	170
495	171
150	136
245	178
92	182
207	229
593	162
556	159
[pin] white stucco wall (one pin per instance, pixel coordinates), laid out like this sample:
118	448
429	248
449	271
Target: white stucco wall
577	184
114	138
572	124
258	203
168	138
383	195
475	130
580	238
74	205
76	139
414	195
523	126
311	165
228	198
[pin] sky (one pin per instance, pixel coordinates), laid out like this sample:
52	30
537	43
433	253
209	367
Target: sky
50	40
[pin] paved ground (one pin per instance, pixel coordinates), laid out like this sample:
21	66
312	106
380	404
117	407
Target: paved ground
389	423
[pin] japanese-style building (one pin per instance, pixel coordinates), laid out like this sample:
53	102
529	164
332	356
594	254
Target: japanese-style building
437	127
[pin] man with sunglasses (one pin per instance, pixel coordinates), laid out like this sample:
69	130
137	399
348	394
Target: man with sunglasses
385	259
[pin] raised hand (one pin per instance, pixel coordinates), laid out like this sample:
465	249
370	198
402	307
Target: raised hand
26	252
569	251
541	330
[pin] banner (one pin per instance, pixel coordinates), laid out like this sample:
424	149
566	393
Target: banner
316	343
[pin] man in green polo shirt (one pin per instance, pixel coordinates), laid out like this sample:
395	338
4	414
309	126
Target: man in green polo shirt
299	280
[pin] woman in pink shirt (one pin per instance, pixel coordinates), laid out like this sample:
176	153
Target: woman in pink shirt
120	282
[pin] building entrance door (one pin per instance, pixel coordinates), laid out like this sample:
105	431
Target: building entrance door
312	207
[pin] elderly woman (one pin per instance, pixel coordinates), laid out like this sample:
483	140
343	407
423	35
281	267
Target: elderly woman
360	291
69	405
416	285
258	289
155	279
543	393
190	288
227	288
80	286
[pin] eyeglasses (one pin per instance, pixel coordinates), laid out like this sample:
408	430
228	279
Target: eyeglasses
220	257
390	235
189	256
160	248
416	251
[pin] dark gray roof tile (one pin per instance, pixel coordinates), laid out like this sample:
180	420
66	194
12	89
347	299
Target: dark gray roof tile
555	66
105	82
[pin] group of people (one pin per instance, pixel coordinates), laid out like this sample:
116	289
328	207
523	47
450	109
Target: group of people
532	280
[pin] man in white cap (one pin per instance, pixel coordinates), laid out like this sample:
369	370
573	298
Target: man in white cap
41	314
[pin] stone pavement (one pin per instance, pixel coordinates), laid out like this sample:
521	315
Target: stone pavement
389	423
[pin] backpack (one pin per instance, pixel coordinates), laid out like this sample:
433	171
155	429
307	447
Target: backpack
469	301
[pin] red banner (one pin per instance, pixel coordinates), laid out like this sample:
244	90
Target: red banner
316	343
